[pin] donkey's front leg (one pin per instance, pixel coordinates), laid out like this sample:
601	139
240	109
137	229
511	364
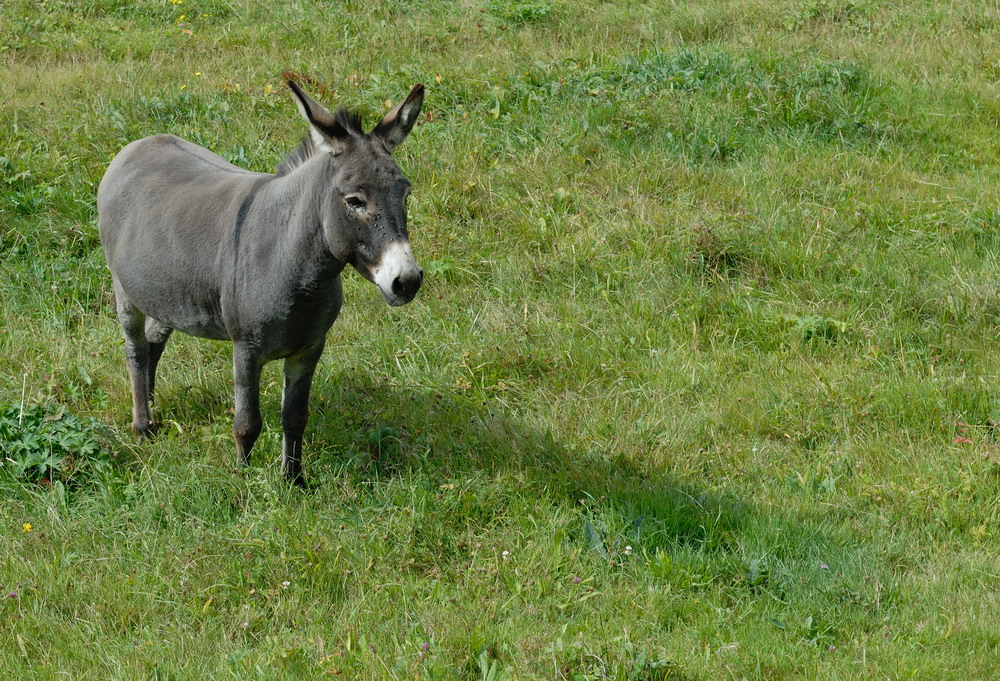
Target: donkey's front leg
246	385
295	410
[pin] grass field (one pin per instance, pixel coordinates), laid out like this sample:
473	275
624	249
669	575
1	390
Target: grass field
702	383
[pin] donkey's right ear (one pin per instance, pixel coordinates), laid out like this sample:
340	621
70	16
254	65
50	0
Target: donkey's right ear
396	124
326	131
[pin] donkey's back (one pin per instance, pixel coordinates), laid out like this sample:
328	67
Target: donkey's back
167	212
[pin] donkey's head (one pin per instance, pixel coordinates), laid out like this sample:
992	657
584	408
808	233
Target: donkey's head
364	213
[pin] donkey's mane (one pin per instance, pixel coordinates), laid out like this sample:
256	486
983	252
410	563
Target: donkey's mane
349	120
297	156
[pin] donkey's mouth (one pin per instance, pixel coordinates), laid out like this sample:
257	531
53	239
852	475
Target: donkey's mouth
394	300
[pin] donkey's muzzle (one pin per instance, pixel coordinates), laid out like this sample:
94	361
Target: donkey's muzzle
397	275
406	285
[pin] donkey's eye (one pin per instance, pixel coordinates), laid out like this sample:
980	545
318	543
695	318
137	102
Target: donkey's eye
355	202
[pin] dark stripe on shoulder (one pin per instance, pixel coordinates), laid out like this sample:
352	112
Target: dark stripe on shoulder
241	217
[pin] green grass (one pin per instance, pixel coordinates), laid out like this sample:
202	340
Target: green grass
702	383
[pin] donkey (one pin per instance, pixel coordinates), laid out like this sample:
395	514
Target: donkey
197	244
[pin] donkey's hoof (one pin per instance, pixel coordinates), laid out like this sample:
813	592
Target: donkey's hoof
299	481
143	431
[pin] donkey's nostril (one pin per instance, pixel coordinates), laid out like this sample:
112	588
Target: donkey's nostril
406	284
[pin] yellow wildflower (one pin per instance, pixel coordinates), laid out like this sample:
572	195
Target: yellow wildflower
26	527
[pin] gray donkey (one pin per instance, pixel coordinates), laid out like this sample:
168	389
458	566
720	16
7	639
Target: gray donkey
197	244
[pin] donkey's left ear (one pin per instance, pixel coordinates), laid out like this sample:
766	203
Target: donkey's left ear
397	123
326	131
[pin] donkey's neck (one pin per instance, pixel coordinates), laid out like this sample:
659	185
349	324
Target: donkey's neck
299	198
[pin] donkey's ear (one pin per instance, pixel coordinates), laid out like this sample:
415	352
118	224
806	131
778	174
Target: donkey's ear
326	131
397	123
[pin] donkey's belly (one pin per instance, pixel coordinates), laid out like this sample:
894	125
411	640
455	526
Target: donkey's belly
171	305
197	327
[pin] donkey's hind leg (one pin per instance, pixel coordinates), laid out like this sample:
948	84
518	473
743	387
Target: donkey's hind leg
247	422
137	358
157	335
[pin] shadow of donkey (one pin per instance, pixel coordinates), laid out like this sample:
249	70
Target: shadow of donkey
374	431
